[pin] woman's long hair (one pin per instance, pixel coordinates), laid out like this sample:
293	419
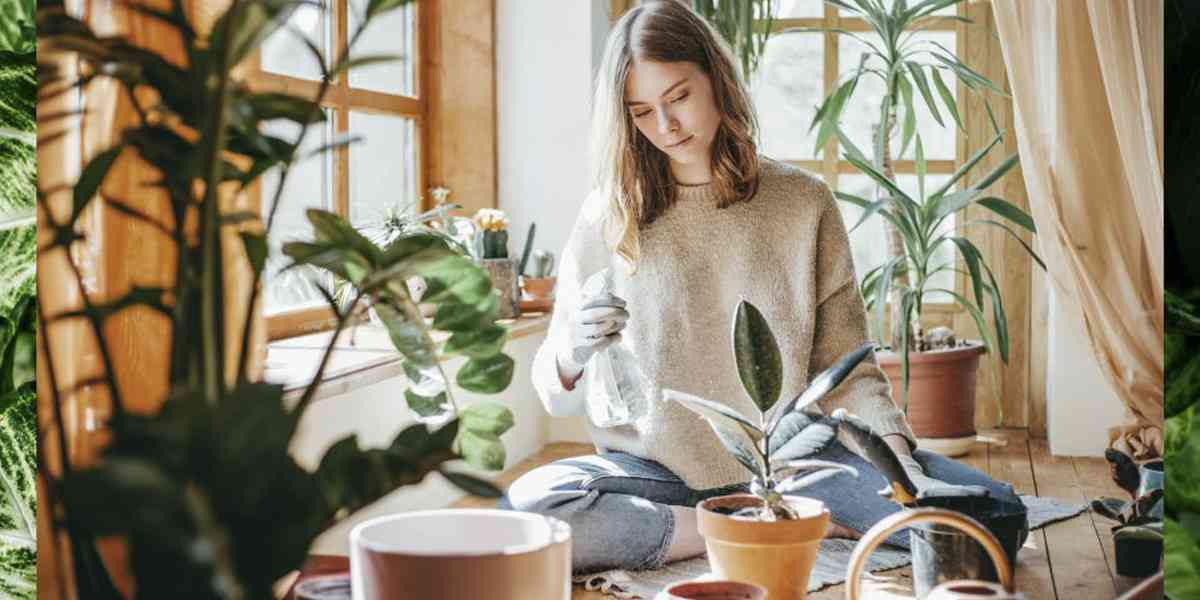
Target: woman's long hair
629	170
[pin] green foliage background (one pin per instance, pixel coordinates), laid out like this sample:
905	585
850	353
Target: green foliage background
1182	344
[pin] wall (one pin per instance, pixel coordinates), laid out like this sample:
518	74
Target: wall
546	51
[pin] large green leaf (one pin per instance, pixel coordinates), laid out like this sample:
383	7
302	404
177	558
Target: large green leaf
478	343
739	436
429	410
823	383
18	30
18	479
756	353
482	449
487	417
490	375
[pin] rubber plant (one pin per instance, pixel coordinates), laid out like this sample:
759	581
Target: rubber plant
204	491
1181	447
774	445
908	66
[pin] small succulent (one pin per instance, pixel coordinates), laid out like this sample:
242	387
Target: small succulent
493	232
773	448
543	263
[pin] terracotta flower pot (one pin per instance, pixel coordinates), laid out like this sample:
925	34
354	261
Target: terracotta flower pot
941	395
778	555
461	554
538	288
713	590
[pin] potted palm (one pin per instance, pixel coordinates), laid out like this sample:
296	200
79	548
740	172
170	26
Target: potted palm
203	492
940	372
770	536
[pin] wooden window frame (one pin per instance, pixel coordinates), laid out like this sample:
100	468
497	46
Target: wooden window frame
340	99
829	165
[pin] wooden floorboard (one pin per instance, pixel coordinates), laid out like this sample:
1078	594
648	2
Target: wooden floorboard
1076	557
1064	561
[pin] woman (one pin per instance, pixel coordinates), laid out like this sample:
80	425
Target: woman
690	218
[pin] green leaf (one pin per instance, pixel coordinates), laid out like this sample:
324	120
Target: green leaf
756	353
487	417
18	30
18	481
818	470
379	7
737	434
452	316
998	172
472	485
489	375
268	106
429	410
972	256
363	61
409	338
1014	236
799	434
966	167
1181	560
947	96
478	343
256	249
823	383
482	450
923	85
1009	211
881	293
909	127
90	179
832	114
976	315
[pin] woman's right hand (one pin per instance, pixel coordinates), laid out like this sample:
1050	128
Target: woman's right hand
596	325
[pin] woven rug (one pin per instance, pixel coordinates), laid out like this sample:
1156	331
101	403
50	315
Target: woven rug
830	568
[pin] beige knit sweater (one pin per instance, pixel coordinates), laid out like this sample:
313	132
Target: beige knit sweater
786	251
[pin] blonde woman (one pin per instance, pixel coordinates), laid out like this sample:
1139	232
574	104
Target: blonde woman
690	217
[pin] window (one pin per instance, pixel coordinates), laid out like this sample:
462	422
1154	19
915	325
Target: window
379	103
797	72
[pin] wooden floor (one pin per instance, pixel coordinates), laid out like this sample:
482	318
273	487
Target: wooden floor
1065	561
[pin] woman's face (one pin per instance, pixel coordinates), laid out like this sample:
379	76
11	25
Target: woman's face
672	105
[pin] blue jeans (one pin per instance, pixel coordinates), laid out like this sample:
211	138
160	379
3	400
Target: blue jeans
617	504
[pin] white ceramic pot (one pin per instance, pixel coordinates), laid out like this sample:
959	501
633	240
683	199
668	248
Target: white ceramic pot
461	554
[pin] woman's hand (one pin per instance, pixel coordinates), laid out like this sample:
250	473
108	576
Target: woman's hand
595	326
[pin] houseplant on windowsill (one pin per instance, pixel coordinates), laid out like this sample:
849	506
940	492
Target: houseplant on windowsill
203	491
771	535
942	416
491	243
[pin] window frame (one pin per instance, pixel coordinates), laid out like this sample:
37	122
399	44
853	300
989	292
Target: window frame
830	166
340	100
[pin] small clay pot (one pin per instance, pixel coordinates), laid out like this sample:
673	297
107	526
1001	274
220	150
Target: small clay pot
778	555
538	287
713	590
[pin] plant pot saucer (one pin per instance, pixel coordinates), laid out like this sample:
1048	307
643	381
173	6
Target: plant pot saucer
951	447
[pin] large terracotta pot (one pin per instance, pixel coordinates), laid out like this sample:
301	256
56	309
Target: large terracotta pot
778	555
941	395
461	554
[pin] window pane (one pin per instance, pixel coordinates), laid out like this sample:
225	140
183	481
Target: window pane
383	168
947	10
868	243
798	9
284	54
389	34
308	186
861	114
787	90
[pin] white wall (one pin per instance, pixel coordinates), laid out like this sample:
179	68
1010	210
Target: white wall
546	52
1080	405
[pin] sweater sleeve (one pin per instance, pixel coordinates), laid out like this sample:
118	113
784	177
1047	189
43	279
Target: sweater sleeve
583	255
841	326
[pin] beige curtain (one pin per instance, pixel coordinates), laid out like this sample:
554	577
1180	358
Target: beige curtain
1088	99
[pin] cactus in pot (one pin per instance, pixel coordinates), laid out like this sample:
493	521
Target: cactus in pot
771	535
491	246
493	232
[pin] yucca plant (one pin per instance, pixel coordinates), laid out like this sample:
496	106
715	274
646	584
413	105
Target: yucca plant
774	448
204	491
907	66
919	221
745	25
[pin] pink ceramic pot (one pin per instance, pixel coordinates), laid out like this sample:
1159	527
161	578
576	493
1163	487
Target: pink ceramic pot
461	554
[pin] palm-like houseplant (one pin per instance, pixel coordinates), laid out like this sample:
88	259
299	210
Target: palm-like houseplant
204	491
745	25
911	67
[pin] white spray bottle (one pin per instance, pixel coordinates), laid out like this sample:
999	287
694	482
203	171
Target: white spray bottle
616	387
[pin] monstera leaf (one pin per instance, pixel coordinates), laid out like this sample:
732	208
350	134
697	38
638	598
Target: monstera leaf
736	433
